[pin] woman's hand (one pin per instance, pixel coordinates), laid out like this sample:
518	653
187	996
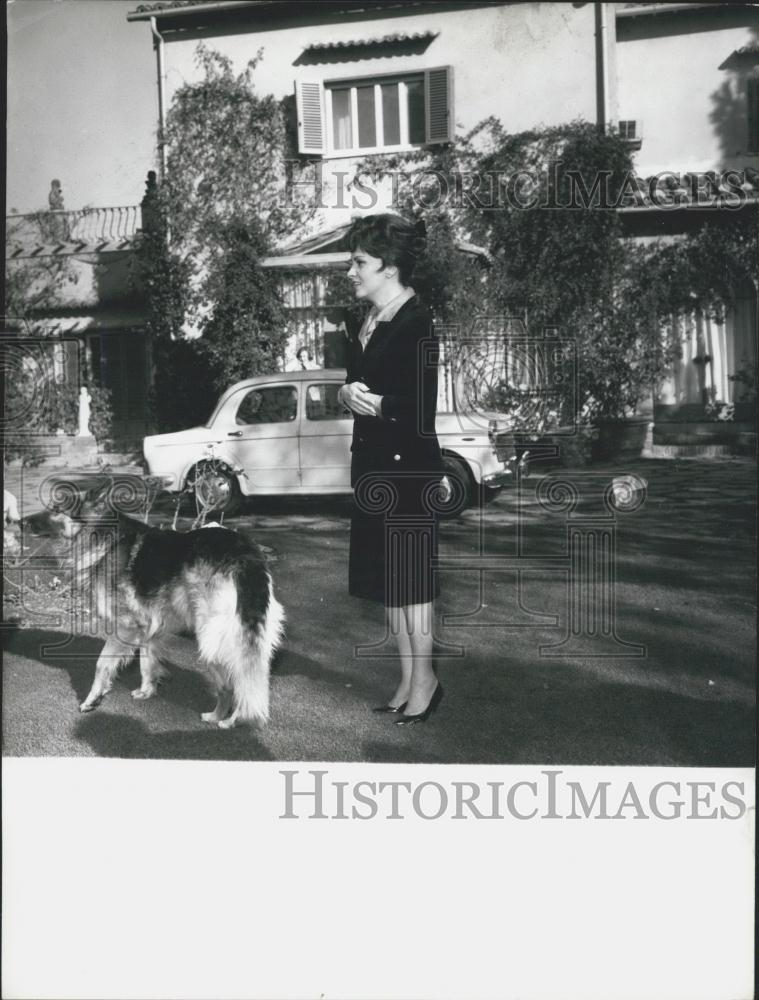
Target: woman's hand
360	400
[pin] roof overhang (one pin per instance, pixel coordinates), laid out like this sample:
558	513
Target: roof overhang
414	36
171	10
147	11
309	261
311	253
715	205
652	9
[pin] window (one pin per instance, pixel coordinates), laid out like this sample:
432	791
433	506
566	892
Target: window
377	114
628	129
752	94
631	131
322	402
373	114
274	405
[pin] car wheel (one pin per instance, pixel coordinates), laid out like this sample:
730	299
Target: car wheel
216	488
489	493
461	487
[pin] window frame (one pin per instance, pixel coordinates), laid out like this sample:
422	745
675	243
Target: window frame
262	389
344	414
376	79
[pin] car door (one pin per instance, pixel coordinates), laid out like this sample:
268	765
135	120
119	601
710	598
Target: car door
326	429
263	438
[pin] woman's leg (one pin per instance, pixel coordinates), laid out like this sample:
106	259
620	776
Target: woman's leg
397	623
418	623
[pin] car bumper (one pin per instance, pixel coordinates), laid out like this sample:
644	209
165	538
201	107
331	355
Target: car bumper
169	482
510	471
499	478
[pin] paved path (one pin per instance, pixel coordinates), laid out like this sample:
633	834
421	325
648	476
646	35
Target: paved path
684	592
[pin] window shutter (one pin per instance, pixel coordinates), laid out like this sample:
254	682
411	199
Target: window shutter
309	100
753	114
438	104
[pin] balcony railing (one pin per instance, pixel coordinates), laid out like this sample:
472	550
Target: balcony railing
55	233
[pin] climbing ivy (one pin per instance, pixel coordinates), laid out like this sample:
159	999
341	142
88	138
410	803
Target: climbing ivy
543	204
540	203
215	314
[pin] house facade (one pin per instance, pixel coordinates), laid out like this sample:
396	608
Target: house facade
679	81
384	77
688	95
84	307
380	78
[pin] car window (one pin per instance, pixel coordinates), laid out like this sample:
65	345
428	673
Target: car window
272	405
322	402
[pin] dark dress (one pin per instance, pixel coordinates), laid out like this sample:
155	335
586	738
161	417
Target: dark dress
396	464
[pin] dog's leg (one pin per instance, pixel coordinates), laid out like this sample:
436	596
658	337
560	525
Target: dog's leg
228	721
152	672
224	696
113	655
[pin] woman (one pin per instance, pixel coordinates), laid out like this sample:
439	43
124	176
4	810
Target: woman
396	466
305	359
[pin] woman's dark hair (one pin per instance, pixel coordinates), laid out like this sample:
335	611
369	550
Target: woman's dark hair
396	241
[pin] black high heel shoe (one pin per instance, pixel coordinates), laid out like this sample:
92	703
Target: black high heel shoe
409	720
391	709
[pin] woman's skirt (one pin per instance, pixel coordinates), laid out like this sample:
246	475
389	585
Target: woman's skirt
394	539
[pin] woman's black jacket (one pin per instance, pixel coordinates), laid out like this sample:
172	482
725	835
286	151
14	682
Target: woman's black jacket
399	364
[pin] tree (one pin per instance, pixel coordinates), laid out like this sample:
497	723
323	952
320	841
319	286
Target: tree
246	331
543	203
228	159
182	390
220	211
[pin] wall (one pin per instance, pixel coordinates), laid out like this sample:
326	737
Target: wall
678	74
528	64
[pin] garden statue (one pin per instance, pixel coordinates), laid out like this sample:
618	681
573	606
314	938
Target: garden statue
56	227
55	198
84	413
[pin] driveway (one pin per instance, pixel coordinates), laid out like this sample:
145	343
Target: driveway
549	651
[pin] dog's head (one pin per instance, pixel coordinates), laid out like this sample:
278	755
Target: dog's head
70	509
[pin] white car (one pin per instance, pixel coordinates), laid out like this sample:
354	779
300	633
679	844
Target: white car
287	433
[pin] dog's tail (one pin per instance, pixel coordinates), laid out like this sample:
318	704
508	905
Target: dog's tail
251	688
239	642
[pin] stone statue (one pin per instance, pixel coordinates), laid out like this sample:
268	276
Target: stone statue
55	198
57	226
84	413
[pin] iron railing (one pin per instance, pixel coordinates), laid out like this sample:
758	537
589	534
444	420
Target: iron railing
110	227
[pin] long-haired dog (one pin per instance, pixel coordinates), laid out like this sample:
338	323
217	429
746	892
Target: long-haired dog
148	585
